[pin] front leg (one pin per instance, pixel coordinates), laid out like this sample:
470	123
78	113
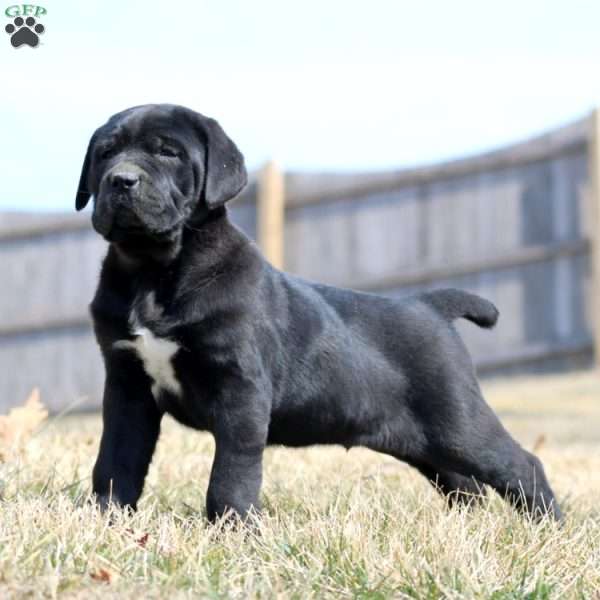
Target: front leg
131	427
236	475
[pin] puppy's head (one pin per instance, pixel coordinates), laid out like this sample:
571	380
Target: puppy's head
153	168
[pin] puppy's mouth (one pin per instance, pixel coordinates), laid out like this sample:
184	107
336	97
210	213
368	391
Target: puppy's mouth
117	221
133	234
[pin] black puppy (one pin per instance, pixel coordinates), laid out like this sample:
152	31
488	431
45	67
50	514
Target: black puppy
192	321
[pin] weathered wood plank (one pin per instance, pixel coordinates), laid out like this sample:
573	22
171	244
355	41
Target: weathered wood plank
65	365
594	167
442	223
518	258
271	213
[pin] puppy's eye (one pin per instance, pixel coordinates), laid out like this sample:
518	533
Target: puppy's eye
106	153
168	151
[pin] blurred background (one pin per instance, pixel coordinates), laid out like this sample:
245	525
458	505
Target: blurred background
393	147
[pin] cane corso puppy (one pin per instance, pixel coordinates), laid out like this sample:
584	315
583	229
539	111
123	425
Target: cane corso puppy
193	321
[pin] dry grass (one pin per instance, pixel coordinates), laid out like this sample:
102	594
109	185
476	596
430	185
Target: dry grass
336	524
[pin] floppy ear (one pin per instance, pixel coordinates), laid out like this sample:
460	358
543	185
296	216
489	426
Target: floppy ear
225	174
83	194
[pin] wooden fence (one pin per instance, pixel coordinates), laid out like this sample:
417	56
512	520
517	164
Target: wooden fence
518	225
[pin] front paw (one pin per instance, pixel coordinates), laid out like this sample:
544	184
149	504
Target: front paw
105	502
230	511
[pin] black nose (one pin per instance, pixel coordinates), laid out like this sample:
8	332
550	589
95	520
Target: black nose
124	180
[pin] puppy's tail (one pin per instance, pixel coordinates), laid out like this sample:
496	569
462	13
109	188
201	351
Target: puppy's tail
454	304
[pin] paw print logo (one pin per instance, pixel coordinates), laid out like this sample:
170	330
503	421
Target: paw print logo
24	32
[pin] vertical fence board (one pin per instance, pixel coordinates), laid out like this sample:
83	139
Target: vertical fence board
594	171
271	213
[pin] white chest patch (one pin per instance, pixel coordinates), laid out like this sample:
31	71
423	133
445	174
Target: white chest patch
156	354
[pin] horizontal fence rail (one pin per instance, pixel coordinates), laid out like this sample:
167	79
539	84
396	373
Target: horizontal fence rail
516	258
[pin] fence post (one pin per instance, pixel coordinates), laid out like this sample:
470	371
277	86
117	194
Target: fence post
271	209
594	167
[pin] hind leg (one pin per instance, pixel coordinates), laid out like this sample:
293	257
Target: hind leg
515	474
457	489
453	437
469	439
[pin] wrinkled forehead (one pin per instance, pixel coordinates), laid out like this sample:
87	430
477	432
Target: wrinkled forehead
146	122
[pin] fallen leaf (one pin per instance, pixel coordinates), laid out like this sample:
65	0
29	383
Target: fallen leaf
539	442
102	575
141	541
20	423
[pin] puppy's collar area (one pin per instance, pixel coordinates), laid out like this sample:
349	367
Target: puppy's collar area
201	214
